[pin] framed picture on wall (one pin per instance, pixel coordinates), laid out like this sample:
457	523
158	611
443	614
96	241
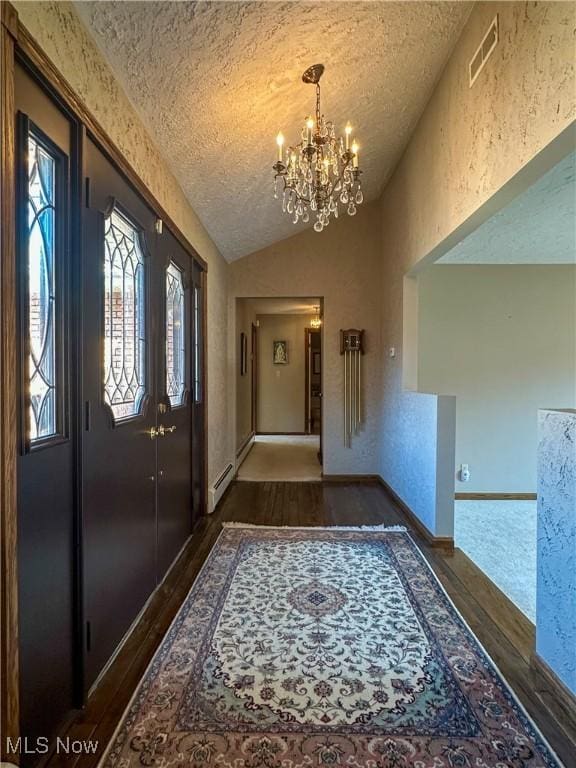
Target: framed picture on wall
243	354
280	353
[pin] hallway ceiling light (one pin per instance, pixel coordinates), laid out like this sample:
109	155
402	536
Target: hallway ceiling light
316	321
320	171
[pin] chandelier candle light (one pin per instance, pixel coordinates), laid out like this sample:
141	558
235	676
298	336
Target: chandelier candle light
321	171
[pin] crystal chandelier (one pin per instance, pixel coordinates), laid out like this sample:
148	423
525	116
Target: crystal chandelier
320	172
316	321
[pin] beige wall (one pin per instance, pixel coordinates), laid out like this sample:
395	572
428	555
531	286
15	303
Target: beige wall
60	33
468	143
503	340
342	265
281	388
245	316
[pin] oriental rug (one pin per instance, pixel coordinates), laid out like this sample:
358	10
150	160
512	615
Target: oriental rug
322	646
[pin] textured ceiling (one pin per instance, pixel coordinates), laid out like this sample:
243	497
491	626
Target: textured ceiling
215	81
537	227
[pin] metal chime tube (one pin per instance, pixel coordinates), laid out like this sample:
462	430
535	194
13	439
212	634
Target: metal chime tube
345	398
359	389
354	394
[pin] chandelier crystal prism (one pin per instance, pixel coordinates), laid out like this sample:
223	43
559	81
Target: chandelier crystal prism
320	173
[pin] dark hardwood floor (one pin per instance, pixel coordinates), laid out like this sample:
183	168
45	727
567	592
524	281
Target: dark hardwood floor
502	629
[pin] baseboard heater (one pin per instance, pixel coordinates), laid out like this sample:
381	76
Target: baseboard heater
217	490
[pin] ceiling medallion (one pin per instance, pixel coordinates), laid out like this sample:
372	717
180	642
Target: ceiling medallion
321	171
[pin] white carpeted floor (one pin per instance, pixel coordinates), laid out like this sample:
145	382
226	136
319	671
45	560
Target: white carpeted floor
282	457
500	537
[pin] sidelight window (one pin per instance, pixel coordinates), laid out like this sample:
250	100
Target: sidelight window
175	340
41	293
124	317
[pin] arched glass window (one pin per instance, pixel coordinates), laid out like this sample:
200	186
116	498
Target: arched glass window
42	415
175	336
124	317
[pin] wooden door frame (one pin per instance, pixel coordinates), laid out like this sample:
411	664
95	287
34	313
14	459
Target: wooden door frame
254	378
9	656
308	362
16	43
307	347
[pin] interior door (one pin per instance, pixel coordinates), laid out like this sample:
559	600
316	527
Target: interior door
175	407
46	477
119	357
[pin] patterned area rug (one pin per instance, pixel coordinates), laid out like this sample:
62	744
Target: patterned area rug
300	646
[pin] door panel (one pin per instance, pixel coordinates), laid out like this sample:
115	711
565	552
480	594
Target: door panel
174	386
119	493
46	486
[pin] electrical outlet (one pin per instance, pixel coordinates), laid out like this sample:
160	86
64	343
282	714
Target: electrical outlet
464	473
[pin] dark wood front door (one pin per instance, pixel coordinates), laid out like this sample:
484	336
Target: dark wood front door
110	404
175	398
138	398
119	475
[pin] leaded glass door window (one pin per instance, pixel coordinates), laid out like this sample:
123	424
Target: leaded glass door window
124	317
175	336
42	418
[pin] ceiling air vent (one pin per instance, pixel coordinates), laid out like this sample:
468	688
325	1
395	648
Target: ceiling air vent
484	51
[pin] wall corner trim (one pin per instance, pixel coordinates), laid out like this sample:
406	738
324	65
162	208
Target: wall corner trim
442	542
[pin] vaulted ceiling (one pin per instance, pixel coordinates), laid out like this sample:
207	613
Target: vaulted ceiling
215	81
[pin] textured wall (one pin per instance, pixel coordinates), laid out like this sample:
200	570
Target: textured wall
467	144
503	340
58	30
343	266
556	565
281	388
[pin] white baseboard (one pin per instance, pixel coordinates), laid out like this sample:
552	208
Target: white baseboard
219	487
244	452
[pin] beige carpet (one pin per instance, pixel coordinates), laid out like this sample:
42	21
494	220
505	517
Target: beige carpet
282	457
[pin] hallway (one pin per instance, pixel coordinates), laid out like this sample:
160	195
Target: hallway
258	333
286	458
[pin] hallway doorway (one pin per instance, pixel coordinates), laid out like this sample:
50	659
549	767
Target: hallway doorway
288	458
279	388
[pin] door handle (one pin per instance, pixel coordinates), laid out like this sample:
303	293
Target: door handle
153	432
163	431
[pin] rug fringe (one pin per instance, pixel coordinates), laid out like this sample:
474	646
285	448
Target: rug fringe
388	528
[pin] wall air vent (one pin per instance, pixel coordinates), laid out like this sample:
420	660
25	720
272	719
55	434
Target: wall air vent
484	51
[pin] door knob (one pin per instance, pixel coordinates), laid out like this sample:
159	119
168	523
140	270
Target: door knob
162	430
153	432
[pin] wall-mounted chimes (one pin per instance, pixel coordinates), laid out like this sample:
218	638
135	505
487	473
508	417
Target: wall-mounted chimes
352	348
